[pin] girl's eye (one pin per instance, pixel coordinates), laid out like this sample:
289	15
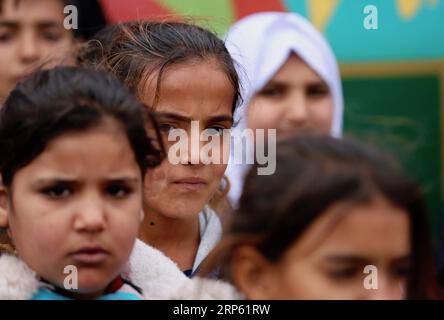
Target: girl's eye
343	273
317	91
118	191
272	92
57	192
166	128
6	36
401	271
51	36
214	131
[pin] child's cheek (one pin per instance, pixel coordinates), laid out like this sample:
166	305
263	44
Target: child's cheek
156	183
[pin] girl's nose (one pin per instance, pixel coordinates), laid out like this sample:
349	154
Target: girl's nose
28	50
297	109
90	215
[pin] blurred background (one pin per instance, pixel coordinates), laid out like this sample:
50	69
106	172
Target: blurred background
393	76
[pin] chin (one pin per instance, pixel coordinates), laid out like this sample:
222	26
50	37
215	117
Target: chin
94	281
190	211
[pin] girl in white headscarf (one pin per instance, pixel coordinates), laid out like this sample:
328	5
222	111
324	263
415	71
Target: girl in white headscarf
290	81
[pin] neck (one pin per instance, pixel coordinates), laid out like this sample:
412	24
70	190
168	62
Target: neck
77	294
177	238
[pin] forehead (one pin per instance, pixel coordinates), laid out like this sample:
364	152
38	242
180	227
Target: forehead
296	70
98	151
197	87
32	10
109	133
374	231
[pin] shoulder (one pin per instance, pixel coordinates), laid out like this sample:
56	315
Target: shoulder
156	274
210	229
207	289
208	219
210	234
17	280
160	278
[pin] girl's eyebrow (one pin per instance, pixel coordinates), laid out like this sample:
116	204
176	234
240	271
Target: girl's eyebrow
174	116
221	118
403	259
115	179
123	180
9	24
345	259
320	83
280	83
359	259
15	24
48	181
48	24
181	118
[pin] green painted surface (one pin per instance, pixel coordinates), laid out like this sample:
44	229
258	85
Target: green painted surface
402	116
216	14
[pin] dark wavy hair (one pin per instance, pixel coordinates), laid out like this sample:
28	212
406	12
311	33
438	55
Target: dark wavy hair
133	51
313	173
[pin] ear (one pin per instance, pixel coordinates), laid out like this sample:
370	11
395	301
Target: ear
253	274
142	215
4	206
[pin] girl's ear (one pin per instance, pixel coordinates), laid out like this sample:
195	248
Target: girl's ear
253	274
4	206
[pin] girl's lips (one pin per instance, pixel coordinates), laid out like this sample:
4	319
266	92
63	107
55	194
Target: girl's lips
90	256
191	184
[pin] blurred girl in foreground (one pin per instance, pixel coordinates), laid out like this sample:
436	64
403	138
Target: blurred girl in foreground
337	220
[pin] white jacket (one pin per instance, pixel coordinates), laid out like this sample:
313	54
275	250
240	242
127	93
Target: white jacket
148	268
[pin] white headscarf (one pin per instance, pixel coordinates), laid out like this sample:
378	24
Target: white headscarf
260	44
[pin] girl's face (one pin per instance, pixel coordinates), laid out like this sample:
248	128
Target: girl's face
79	203
200	92
329	261
31	33
295	99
